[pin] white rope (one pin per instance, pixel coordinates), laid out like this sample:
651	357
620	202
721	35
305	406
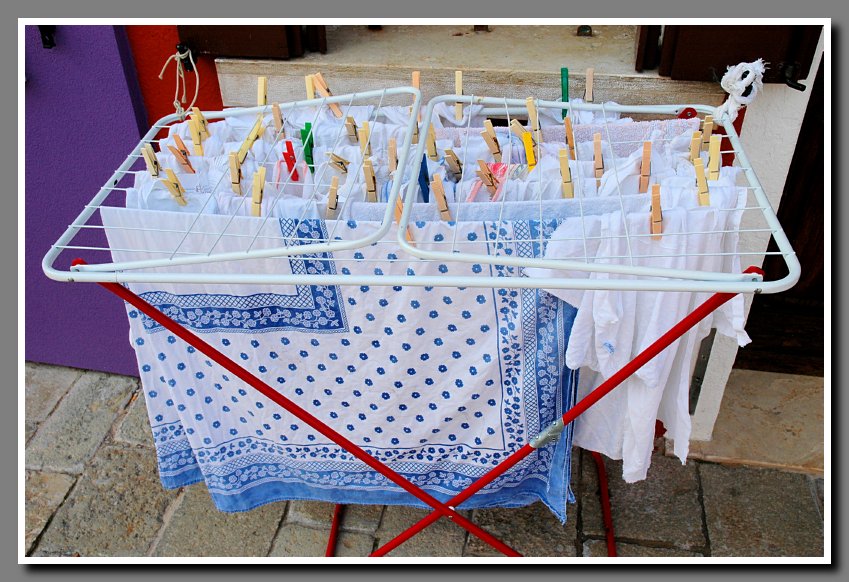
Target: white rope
736	82
181	80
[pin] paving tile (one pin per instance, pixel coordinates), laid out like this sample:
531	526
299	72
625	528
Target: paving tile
439	539
312	513
663	509
768	420
134	428
30	426
531	531
197	528
362	518
299	540
598	549
818	485
115	509
44	493
44	386
72	433
760	512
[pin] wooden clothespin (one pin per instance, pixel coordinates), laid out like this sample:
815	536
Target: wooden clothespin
371	181
486	177
235	173
246	146
441	201
416	82
491	139
310	83
256	192
645	167
458	90
565	174
570	136
656	213
533	120
261	91
197	136
517	128
399	209
204	123
150	160
392	154
173	184
333	197
454	165
528	142
324	90
588	92
277	117
339	163
363	138
707	130
181	152
351	128
431	144
701	182
598	159
714	157
695	145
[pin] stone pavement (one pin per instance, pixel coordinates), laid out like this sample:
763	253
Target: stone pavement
98	494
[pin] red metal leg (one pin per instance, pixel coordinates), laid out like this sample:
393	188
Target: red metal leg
605	504
251	380
334	531
664	341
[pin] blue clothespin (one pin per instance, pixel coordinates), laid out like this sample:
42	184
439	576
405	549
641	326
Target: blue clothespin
424	181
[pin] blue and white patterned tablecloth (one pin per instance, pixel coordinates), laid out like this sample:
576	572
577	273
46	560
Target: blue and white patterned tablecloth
439	383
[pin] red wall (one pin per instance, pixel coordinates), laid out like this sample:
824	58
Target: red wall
151	46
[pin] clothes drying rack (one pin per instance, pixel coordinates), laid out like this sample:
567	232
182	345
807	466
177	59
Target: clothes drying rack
402	212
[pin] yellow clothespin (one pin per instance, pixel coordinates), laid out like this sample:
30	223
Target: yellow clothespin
714	157
701	182
363	138
277	117
235	173
707	129
588	92
399	208
566	174
371	181
645	167
570	136
174	186
181	152
150	159
491	139
458	90
487	178
351	128
441	201
197	136
431	143
246	146
656	213
324	90
204	124
528	142
416	83
333	197
392	154
256	192
454	165
695	145
533	120
598	159
310	83
339	163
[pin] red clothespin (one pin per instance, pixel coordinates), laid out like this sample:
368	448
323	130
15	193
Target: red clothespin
289	157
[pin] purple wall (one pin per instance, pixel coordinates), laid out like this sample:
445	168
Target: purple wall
83	116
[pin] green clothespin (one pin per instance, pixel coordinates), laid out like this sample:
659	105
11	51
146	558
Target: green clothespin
307	140
564	86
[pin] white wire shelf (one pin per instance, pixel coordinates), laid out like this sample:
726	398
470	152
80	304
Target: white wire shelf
363	245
